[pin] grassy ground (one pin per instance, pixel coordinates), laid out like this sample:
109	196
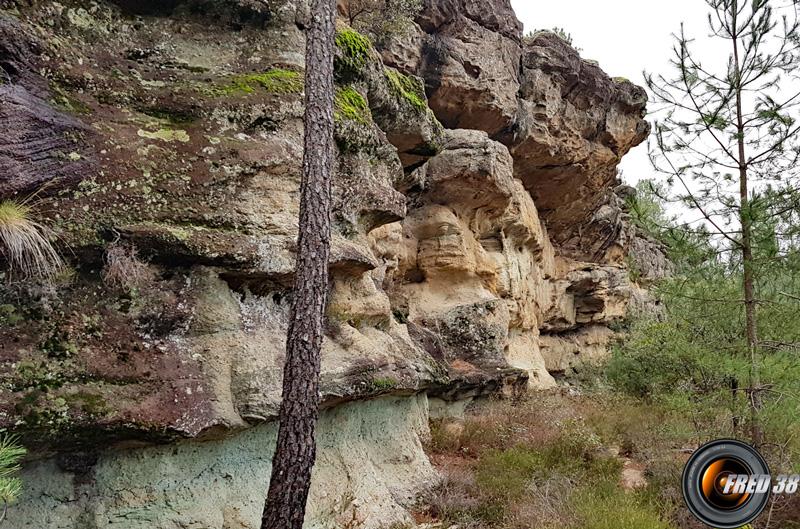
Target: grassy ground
568	460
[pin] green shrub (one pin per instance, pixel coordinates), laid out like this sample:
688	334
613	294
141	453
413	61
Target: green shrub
507	474
575	452
656	358
604	505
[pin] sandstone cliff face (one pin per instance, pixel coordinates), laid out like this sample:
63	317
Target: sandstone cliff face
478	247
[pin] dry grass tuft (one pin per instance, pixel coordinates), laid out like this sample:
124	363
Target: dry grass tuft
124	269
26	243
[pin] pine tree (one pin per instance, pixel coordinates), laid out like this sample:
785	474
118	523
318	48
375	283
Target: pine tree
729	139
295	451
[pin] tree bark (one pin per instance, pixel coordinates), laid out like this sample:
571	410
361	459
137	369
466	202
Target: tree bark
748	280
295	451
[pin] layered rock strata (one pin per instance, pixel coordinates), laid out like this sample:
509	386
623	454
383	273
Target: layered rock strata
478	247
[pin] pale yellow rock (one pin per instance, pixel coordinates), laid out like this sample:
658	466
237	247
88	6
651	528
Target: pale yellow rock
564	351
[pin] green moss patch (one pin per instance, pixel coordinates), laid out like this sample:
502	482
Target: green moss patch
173	117
355	49
384	383
92	403
59	345
9	315
39	376
274	81
65	101
407	88
351	105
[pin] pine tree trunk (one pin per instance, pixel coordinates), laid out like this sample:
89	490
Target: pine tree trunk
751	322
748	281
295	452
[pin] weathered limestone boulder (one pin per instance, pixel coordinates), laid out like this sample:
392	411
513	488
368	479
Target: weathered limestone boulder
646	256
574	125
566	123
497	16
620	242
404	51
564	351
473	258
649	258
470	62
588	293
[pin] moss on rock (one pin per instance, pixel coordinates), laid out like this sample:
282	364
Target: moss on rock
407	88
274	81
354	51
93	404
384	384
9	315
350	104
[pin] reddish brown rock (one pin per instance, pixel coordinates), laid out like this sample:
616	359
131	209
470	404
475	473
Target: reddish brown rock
40	143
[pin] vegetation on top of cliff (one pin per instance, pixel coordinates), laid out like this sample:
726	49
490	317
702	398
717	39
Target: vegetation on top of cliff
354	49
10	485
25	243
407	88
560	32
381	19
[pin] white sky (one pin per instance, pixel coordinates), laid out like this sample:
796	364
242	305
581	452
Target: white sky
624	36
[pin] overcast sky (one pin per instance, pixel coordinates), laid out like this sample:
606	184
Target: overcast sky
624	36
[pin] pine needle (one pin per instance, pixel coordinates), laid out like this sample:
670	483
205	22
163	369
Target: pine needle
10	455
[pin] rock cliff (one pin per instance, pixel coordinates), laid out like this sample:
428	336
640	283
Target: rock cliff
478	247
